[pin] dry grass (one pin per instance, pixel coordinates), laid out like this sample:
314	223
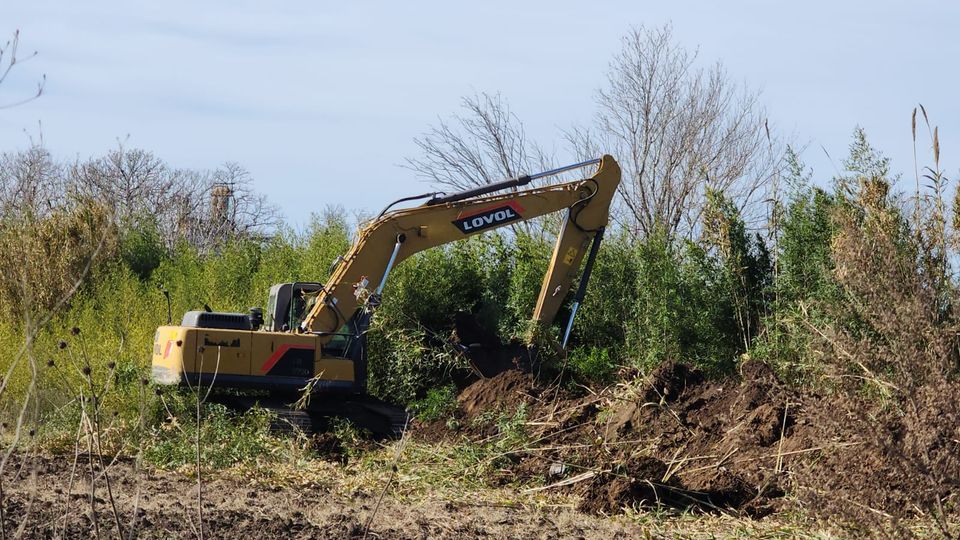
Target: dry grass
427	475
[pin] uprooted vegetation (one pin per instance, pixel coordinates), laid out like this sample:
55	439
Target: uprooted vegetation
805	376
745	444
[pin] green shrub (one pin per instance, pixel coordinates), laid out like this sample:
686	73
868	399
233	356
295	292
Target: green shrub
409	349
528	258
610	297
142	249
683	311
592	364
439	403
804	288
226	438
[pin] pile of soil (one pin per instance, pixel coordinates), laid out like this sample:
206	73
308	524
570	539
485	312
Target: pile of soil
885	464
738	444
506	391
720	445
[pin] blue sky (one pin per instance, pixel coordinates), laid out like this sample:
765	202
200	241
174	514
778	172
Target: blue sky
321	101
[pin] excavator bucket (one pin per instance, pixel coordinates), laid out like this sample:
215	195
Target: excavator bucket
487	355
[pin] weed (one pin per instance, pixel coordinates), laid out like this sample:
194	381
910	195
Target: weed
353	439
226	438
439	403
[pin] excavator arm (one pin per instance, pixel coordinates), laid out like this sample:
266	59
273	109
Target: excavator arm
359	278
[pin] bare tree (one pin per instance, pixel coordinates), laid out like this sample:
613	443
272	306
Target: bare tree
219	205
30	181
677	130
485	144
203	207
134	182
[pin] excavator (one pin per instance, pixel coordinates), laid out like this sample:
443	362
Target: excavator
312	339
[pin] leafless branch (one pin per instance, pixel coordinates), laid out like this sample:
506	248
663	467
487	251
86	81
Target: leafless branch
486	143
8	60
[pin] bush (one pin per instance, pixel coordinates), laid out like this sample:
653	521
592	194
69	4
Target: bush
439	403
226	438
804	289
142	250
610	300
592	364
683	310
409	342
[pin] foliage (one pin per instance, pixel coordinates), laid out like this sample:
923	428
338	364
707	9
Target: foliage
439	403
610	298
44	255
592	364
142	249
683	310
804	287
710	301
226	438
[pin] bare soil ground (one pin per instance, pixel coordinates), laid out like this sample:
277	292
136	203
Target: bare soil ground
673	454
162	504
165	505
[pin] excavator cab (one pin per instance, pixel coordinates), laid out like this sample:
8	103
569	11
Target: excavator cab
288	303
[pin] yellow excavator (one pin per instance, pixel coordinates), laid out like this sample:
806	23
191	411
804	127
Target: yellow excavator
312	335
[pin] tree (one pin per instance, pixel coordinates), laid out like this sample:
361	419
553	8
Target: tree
134	182
219	205
30	180
484	144
143	194
203	207
678	130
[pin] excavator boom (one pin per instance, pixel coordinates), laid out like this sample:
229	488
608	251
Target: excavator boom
359	279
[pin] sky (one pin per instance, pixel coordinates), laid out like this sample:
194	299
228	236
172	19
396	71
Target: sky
321	101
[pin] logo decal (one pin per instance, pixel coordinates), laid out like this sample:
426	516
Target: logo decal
487	218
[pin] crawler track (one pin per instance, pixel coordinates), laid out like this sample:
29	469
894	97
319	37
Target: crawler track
383	420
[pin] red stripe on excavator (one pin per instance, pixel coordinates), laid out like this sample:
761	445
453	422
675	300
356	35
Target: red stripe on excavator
278	354
512	204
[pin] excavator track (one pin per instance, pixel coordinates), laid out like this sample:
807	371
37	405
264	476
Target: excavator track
381	419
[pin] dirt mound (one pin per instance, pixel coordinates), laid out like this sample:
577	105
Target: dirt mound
725	440
636	483
683	441
736	444
900	463
669	381
505	391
